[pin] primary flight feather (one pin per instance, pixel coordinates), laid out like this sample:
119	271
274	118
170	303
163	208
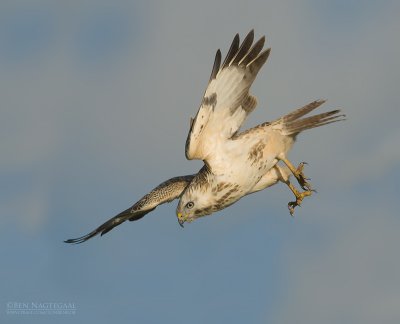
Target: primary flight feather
235	163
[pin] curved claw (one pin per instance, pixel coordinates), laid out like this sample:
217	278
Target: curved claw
291	206
299	199
306	186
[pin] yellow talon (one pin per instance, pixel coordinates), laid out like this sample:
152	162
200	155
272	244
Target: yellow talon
299	197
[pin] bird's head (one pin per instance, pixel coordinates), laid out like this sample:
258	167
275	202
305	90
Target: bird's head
197	200
193	204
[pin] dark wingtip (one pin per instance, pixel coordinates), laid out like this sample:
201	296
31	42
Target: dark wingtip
74	241
216	66
232	51
243	49
259	61
78	240
251	33
83	238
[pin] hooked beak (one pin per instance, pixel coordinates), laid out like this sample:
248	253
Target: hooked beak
180	219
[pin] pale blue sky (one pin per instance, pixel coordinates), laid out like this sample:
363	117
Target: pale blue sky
96	98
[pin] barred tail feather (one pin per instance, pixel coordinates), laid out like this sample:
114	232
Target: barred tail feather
293	124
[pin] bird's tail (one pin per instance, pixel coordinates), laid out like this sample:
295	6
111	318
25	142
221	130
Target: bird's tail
293	123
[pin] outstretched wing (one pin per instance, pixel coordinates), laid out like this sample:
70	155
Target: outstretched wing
227	101
165	192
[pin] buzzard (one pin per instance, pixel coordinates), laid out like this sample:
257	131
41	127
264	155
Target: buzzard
235	163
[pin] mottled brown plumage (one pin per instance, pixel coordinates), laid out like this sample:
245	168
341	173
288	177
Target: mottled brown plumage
235	163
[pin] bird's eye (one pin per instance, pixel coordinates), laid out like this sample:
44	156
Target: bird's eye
190	205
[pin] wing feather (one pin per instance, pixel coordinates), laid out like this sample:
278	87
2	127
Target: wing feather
226	101
231	52
165	192
254	51
244	48
217	63
256	64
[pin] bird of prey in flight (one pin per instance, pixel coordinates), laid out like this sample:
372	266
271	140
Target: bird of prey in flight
235	163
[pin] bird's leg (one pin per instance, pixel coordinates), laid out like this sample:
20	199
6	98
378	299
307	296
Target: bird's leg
298	173
299	197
